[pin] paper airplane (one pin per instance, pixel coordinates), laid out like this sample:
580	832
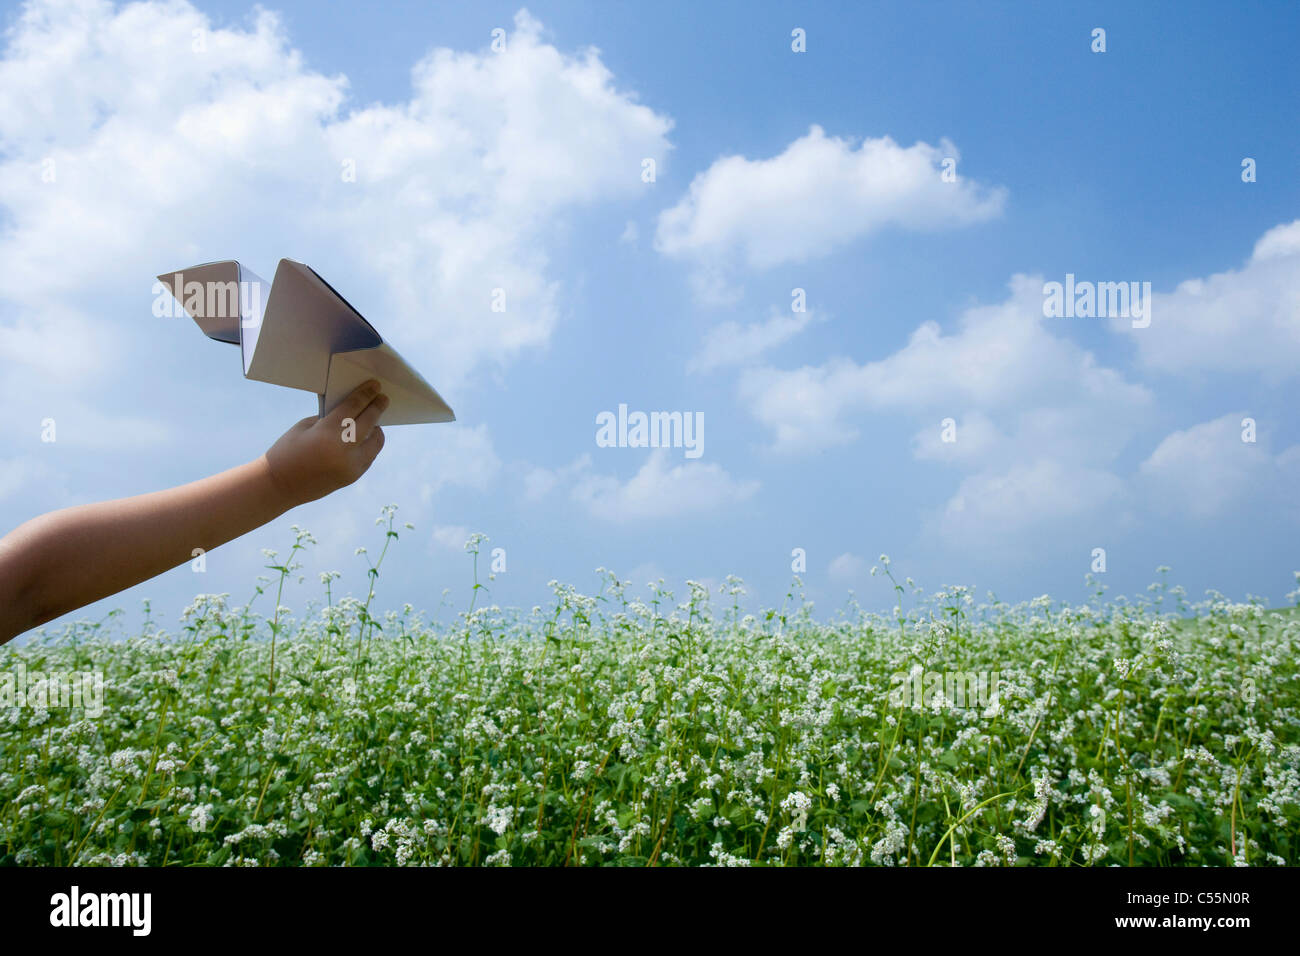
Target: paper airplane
298	332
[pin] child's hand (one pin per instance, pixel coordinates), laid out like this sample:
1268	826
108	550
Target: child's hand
318	455
132	539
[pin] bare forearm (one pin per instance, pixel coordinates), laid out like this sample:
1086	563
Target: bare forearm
68	559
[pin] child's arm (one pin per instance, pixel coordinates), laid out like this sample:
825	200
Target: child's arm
66	559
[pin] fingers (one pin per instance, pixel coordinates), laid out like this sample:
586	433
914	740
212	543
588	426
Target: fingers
355	403
370	448
369	418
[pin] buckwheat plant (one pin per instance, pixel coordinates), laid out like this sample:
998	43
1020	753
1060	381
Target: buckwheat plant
617	731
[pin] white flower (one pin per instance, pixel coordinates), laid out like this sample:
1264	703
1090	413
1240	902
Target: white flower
200	817
499	819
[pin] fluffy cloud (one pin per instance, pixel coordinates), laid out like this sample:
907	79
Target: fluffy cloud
974	438
847	568
539	481
1034	496
1037	422
462	457
820	193
658	491
18	473
1243	320
141	138
1040	424
1204	470
655	491
731	343
449	537
645	575
1002	364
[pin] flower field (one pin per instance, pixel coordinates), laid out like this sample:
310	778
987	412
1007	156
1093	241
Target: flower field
610	730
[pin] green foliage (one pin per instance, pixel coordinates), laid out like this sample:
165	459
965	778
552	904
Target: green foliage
613	731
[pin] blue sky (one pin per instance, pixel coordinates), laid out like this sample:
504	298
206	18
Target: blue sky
522	169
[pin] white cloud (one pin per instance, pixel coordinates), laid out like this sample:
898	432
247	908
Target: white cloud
17	474
449	537
1039	423
658	491
818	194
645	575
1006	502
540	482
847	568
655	491
1243	320
57	345
164	156
461	456
975	438
82	425
1204	470
731	343
1002	367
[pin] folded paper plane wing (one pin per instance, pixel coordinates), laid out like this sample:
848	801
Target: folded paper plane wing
299	332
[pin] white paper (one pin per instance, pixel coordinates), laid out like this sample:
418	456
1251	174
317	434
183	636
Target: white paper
298	332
